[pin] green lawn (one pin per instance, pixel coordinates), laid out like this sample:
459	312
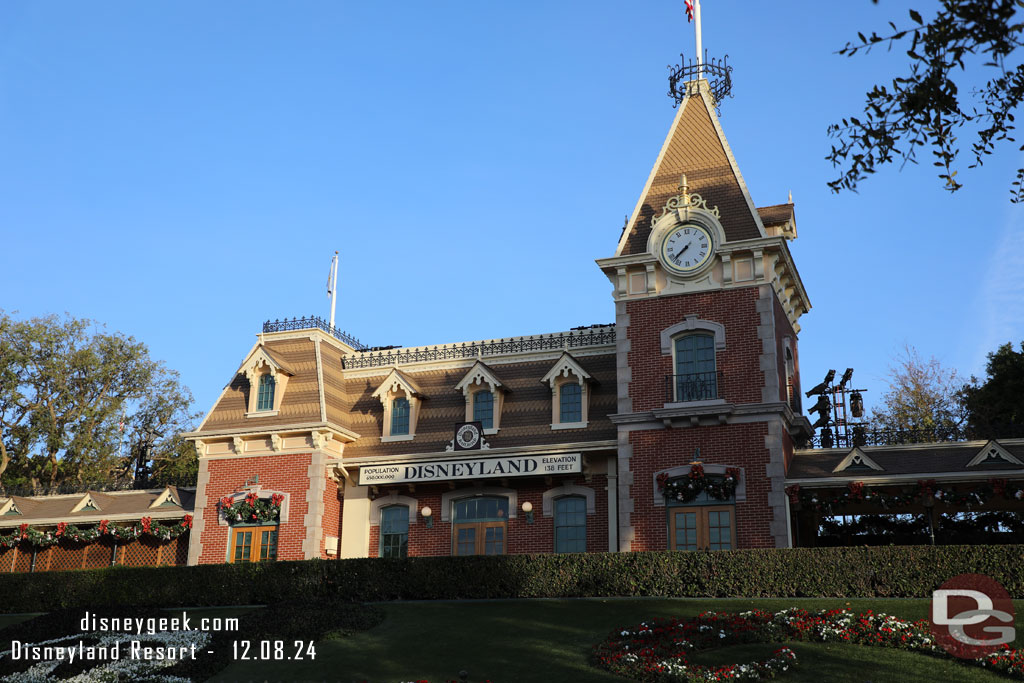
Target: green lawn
550	640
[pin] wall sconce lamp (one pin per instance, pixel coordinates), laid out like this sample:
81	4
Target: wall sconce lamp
528	509
428	516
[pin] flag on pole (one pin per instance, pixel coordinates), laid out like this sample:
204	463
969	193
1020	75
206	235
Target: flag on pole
689	11
330	277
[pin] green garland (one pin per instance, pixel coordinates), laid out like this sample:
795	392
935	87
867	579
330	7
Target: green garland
927	492
685	489
72	534
252	508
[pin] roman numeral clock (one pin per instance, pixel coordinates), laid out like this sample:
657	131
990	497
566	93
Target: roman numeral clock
686	235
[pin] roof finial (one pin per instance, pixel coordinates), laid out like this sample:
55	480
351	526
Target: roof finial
791	196
684	189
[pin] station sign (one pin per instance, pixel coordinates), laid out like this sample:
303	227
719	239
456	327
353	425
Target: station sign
471	468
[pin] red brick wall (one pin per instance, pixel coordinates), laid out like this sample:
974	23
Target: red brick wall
784	329
287	473
738	445
738	365
521	537
332	518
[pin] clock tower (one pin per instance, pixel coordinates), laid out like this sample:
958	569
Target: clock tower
708	302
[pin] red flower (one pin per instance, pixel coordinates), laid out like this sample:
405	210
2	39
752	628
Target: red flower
187	522
696	471
856	490
251	499
226	501
147	523
103	526
276	499
61	527
23	530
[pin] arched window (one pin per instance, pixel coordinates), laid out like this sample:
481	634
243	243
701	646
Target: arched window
570	402
479	526
696	377
571	524
394	531
483	408
399	416
265	398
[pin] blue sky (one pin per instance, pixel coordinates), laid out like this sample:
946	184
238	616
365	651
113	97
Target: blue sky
184	171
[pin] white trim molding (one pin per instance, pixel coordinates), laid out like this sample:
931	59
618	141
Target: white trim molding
479	378
564	490
390	500
692	323
258	364
854	458
397	385
567	370
167	495
993	449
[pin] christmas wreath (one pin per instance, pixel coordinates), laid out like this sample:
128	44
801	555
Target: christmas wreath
70	533
252	508
685	489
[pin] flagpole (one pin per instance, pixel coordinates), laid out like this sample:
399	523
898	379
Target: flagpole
334	287
696	24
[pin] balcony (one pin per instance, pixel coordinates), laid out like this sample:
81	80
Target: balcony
700	386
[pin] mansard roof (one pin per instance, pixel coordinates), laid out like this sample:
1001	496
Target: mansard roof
696	146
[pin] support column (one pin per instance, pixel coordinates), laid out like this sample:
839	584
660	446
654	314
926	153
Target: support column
355	522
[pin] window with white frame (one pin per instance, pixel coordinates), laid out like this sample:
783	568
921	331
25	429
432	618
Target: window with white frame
693	345
485	395
570	389
268	378
401	399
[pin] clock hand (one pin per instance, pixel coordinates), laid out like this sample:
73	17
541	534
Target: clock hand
685	247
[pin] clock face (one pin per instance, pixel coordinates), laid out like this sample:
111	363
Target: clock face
467	436
687	248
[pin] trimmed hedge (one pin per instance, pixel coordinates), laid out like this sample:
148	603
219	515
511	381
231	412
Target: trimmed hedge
892	571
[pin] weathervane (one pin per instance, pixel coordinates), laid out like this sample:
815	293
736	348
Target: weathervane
687	74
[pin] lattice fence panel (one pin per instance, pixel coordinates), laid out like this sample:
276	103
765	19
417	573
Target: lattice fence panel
66	557
98	555
43	559
24	561
140	553
6	559
175	552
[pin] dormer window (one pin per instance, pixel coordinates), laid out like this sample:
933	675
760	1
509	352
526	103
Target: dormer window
9	508
400	416
268	377
483	408
485	395
401	399
265	398
570	393
570	403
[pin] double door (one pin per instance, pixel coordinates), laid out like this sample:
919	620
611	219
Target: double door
480	538
711	527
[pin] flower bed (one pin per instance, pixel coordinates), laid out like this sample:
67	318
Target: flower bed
660	650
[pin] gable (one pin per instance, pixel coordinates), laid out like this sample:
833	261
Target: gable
697	147
856	460
994	454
